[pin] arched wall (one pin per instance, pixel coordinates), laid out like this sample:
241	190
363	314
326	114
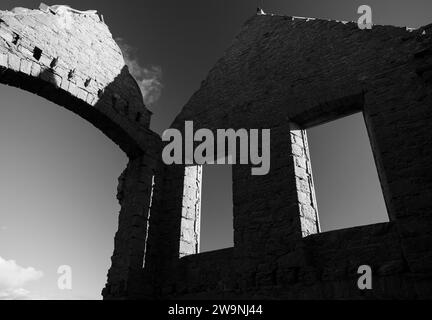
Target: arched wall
282	73
71	59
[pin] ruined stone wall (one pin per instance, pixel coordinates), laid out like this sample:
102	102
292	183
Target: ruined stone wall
72	60
289	74
281	73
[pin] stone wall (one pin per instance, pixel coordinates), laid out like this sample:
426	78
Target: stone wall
72	60
281	73
289	74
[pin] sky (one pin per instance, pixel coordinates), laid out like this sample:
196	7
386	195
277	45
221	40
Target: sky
58	174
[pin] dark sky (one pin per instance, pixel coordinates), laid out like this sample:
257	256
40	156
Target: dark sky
59	174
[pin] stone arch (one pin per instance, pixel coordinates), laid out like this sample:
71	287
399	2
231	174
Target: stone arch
70	58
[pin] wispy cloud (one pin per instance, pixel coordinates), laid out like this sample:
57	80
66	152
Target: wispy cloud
148	78
13	278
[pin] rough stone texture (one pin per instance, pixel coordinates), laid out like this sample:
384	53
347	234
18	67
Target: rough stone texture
304	181
289	74
282	73
72	60
191	211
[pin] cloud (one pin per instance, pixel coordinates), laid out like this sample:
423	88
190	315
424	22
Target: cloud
13	277
148	79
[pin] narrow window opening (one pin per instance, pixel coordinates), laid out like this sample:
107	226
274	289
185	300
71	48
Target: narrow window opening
216	208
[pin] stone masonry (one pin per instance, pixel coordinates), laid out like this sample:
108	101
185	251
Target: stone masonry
72	60
281	73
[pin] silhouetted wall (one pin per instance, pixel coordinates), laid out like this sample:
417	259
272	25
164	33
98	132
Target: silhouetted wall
281	73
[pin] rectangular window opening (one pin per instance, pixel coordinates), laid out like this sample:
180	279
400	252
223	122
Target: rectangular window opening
216	208
347	186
